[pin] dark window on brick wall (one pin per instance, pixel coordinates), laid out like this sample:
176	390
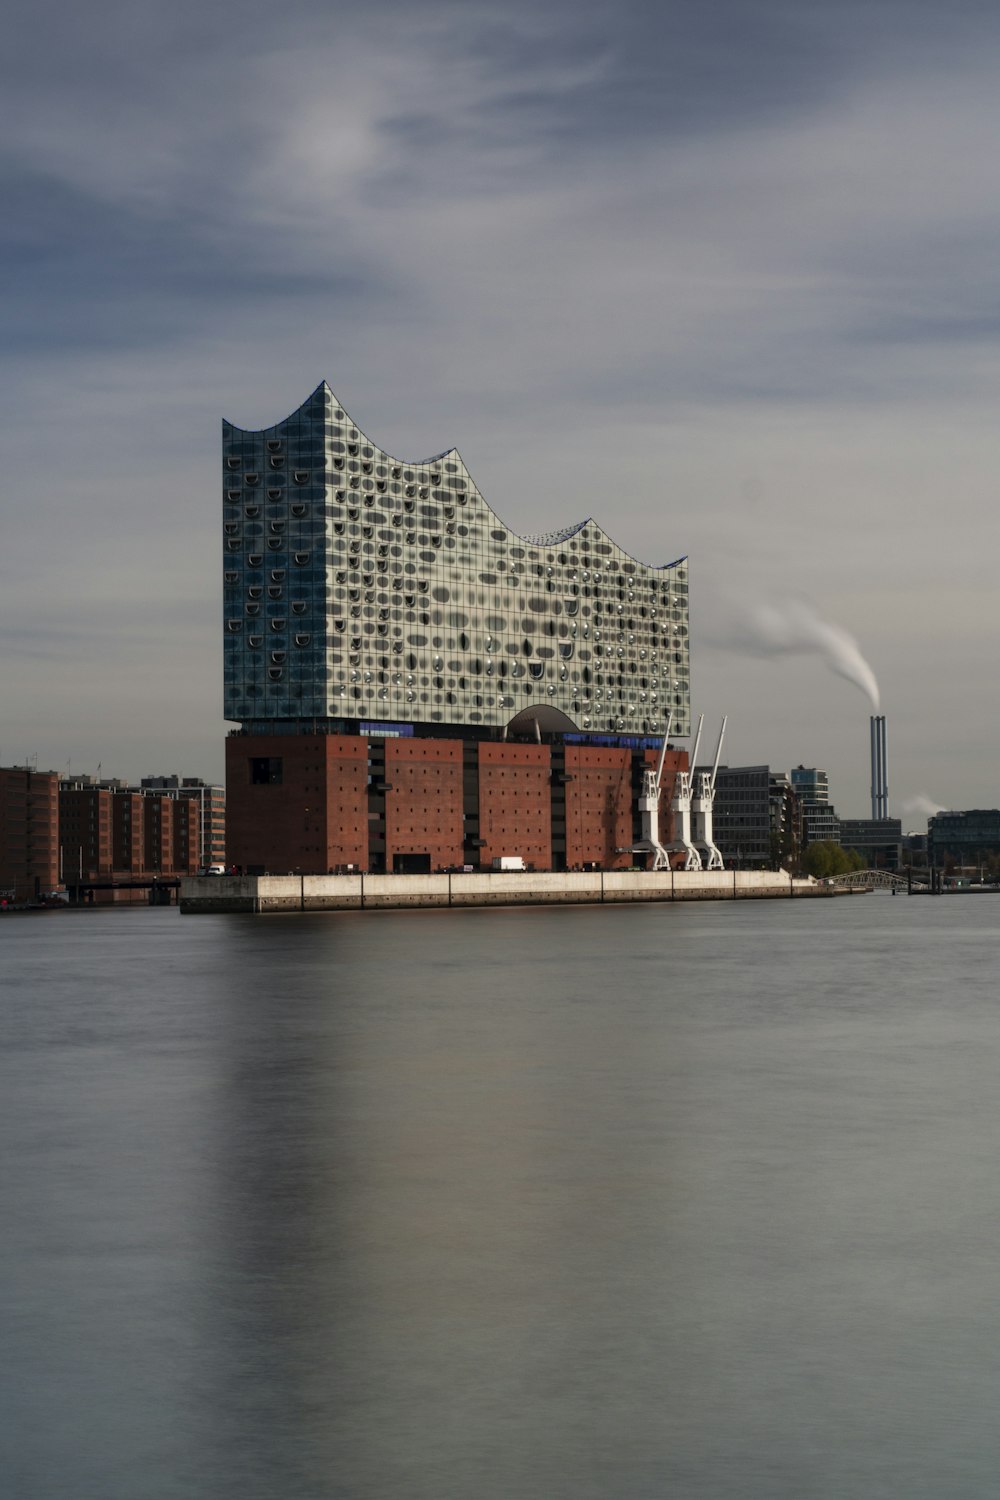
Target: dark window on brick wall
265	770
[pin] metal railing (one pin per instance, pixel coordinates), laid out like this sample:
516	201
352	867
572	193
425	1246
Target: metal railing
875	880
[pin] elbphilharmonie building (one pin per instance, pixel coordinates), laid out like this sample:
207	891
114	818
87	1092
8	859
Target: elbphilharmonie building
365	589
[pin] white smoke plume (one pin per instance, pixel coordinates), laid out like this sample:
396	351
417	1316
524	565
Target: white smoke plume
793	628
921	805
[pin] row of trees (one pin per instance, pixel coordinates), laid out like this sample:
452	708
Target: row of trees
825	858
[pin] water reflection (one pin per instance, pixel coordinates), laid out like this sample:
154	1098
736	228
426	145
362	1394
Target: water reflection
580	1203
431	1207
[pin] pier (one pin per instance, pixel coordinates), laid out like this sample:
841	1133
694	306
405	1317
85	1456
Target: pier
261	894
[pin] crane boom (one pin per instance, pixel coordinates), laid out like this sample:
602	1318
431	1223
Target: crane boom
718	749
697	742
663	747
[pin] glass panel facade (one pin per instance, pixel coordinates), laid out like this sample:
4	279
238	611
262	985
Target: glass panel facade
415	604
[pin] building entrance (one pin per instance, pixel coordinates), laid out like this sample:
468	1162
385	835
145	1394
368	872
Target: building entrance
411	864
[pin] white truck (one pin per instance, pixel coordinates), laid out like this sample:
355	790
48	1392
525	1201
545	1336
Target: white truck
508	862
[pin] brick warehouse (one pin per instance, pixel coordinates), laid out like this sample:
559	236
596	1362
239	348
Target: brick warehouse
320	803
57	834
417	687
29	833
110	833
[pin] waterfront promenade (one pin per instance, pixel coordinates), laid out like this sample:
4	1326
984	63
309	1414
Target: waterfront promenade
289	893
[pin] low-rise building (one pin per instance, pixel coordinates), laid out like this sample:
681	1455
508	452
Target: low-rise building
964	838
879	841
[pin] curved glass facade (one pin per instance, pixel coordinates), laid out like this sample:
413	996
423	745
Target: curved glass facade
359	586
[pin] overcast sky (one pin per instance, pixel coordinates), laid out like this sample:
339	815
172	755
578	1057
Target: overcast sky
721	273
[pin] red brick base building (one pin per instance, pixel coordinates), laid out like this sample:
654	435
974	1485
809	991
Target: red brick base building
325	802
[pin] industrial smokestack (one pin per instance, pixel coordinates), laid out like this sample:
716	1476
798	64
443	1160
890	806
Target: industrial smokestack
873	728
885	774
880	768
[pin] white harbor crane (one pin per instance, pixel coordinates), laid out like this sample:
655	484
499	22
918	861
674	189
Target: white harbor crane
702	802
681	809
691	805
649	809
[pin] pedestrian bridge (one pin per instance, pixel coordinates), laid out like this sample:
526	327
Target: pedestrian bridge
874	880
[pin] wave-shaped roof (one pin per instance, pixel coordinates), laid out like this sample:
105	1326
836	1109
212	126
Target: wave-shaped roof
414	601
324	396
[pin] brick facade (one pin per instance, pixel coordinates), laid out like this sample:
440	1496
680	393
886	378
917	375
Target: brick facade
515	802
316	803
112	833
599	803
297	802
423	809
85	830
211	804
345	758
128	831
29	833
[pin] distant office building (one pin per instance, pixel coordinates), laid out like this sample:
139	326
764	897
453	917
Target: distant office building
742	815
211	801
879	841
761	821
756	817
915	845
820	823
818	816
810	784
29	833
965	838
786	821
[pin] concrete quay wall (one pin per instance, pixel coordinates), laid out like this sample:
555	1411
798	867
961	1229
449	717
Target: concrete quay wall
290	893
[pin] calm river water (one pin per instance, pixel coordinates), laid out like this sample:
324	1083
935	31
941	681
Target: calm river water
587	1204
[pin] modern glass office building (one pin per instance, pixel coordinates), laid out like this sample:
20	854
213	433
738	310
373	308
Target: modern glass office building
363	590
